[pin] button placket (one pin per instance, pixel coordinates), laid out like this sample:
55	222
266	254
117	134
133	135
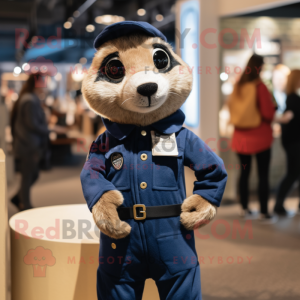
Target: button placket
143	157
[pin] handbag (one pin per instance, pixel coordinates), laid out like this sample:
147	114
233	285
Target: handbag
243	108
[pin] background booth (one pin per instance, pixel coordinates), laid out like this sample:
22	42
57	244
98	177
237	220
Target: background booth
54	254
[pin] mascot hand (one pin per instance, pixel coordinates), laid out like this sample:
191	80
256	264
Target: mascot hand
196	212
106	216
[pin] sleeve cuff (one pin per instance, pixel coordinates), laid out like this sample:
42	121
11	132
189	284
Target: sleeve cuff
208	198
97	197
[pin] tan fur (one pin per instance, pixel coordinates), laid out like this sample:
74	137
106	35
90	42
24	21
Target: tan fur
106	216
135	52
196	212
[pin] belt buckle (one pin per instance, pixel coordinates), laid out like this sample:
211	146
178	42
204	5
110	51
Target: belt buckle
142	211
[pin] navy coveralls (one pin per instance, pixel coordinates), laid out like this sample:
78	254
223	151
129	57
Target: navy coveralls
156	248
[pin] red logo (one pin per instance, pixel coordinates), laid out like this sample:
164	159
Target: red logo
39	258
41	68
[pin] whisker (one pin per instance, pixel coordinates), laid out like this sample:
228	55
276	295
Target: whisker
174	93
125	101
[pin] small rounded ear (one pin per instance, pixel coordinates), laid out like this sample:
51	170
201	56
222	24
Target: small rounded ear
196	212
106	216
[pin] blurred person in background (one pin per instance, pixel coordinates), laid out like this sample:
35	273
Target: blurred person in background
290	142
252	111
279	81
30	137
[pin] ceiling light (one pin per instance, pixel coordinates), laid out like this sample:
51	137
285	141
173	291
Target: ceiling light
83	60
71	19
227	88
224	76
58	77
90	28
17	70
67	25
26	67
76	14
141	12
78	74
159	17
108	19
78	77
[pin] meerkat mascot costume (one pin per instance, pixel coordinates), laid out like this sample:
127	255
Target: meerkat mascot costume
133	179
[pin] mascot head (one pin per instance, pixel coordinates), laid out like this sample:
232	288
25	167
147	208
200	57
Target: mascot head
135	77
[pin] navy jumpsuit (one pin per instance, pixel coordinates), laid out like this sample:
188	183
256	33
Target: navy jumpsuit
161	249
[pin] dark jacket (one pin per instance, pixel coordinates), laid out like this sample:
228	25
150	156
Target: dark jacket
164	175
291	131
30	127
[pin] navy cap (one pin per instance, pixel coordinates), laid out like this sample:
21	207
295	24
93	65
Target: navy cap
117	30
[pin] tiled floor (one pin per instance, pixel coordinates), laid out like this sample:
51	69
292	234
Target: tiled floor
262	266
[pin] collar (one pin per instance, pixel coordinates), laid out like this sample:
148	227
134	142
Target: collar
168	125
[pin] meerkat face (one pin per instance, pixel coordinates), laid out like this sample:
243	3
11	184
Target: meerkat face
136	80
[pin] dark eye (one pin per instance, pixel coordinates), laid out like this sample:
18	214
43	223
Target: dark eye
114	69
161	59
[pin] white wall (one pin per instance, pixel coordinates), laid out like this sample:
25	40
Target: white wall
234	7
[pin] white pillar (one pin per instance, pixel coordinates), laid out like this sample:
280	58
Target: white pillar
209	58
208	82
4	233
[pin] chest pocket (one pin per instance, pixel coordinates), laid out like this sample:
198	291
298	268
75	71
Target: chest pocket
118	175
167	171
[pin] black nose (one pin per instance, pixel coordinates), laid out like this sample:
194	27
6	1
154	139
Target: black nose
147	89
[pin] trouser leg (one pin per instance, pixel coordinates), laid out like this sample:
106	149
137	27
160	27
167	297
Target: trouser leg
29	168
183	285
263	166
299	192
293	174
243	188
111	288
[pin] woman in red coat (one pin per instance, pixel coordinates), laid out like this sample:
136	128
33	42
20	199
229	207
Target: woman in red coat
255	141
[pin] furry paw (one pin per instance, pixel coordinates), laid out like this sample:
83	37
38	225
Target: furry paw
106	216
196	212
